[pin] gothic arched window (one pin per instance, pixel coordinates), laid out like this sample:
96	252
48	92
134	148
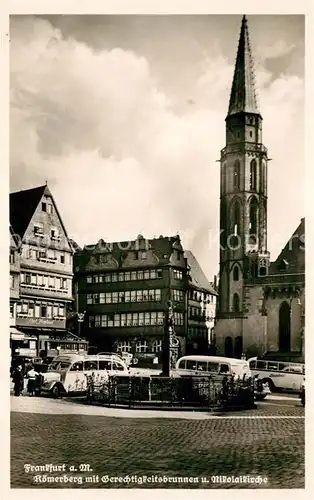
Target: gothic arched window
253	216
253	174
236	174
235	220
235	273
236	303
223	223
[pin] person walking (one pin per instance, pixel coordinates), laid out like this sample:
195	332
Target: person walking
31	375
18	380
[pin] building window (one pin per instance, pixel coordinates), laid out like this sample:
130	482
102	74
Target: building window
12	257
49	208
43	311
157	346
236	303
178	275
11	281
143	255
141	346
178	295
89	279
124	346
178	319
11	311
235	273
62	259
38	228
44	207
54	232
253	175
236	175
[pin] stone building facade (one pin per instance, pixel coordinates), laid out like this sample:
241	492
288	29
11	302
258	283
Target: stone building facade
124	288
261	304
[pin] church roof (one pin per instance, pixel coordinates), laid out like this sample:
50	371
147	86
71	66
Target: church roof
196	275
243	96
291	259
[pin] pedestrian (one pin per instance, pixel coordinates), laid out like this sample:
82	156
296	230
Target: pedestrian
32	374
18	380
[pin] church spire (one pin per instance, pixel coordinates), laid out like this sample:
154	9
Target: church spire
243	96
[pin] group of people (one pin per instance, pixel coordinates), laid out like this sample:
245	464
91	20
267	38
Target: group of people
34	381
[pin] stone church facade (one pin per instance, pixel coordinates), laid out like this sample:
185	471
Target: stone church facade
261	303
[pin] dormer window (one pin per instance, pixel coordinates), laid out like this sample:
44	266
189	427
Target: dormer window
143	255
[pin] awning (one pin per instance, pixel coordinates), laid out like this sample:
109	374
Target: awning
16	334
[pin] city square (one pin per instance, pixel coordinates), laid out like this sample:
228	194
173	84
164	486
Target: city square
267	442
146	361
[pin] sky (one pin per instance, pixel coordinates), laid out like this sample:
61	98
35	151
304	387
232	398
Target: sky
124	117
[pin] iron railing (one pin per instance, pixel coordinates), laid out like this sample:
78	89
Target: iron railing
202	392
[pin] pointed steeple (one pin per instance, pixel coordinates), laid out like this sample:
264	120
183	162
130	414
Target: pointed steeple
243	95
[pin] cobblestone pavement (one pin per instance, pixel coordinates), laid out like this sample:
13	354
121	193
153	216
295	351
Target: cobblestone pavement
267	442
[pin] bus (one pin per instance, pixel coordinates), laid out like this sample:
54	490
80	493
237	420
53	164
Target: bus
279	375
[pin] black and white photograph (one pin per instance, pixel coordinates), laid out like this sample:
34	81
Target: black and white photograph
157	251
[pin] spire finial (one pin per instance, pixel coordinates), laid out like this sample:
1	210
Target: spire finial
243	95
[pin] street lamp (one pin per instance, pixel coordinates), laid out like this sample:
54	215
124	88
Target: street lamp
80	319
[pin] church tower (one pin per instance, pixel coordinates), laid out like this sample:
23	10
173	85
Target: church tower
243	192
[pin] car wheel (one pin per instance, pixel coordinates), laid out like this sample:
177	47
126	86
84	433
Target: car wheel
260	397
55	391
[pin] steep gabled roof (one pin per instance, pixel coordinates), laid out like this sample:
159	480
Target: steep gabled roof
292	257
197	276
22	207
243	94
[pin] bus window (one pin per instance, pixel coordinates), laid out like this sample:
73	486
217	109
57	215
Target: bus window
281	366
190	364
201	366
77	367
295	369
90	365
224	368
253	364
271	365
105	364
261	365
182	365
213	367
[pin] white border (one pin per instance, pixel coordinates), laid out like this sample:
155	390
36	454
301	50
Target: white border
153	7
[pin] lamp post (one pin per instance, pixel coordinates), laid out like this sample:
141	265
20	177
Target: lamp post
80	319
